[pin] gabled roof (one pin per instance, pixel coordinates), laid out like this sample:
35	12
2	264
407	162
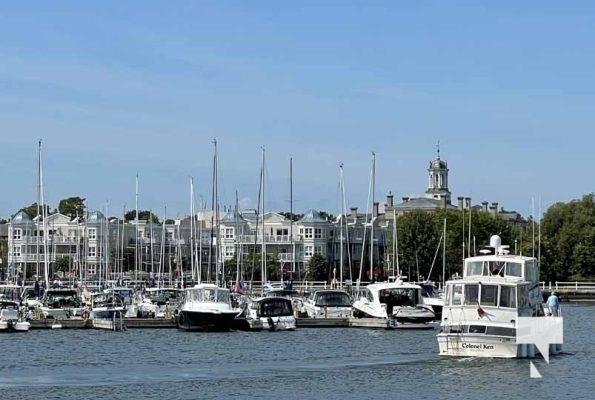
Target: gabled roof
311	216
95	217
58	218
21	218
232	217
272	217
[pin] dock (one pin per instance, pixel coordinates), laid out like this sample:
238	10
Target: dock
79	323
322	322
383	323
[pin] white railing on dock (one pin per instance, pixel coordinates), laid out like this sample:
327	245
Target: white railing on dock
575	286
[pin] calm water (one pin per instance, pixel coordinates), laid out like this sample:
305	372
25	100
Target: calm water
305	364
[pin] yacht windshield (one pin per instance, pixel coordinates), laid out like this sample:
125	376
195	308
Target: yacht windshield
333	299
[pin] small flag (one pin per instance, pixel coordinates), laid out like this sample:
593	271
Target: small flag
480	312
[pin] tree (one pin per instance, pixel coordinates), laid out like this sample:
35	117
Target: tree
318	268
62	264
143	215
31	210
326	216
72	207
568	240
292	217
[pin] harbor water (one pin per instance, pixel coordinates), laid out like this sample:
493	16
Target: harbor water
339	363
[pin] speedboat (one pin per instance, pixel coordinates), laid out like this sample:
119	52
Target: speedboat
107	310
12	317
483	310
328	303
207	307
398	301
61	303
159	303
272	313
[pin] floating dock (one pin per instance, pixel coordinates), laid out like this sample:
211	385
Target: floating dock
322	322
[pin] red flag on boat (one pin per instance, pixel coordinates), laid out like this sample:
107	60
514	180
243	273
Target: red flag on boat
480	312
239	288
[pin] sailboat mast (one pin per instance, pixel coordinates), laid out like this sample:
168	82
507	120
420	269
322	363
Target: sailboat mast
46	265
444	254
38	208
192	264
293	263
342	216
372	217
237	238
162	249
263	251
136	238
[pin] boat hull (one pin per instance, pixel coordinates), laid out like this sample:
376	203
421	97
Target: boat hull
206	321
14	326
488	347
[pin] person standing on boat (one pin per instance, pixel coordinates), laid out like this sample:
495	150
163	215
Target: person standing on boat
553	303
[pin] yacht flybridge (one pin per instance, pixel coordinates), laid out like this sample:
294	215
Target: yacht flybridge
481	310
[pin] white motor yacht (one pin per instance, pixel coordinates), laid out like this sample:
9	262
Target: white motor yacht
273	313
481	310
12	317
398	301
328	303
207	307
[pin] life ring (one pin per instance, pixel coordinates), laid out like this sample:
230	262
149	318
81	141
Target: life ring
85	314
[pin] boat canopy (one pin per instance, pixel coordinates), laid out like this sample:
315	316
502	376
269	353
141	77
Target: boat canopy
273	307
208	294
331	298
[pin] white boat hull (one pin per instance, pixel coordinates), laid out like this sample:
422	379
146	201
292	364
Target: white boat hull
16	326
285	323
488	347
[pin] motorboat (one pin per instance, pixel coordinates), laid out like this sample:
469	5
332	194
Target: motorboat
207	307
107	310
159	303
432	299
398	301
483	309
12	317
61	303
328	303
271	313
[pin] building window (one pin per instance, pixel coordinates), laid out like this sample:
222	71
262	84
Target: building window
92	233
229	233
229	251
318	233
318	249
16	234
16	251
91	269
92	251
308	233
308	251
170	234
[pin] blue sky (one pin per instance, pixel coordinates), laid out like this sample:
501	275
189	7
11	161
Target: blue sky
119	88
